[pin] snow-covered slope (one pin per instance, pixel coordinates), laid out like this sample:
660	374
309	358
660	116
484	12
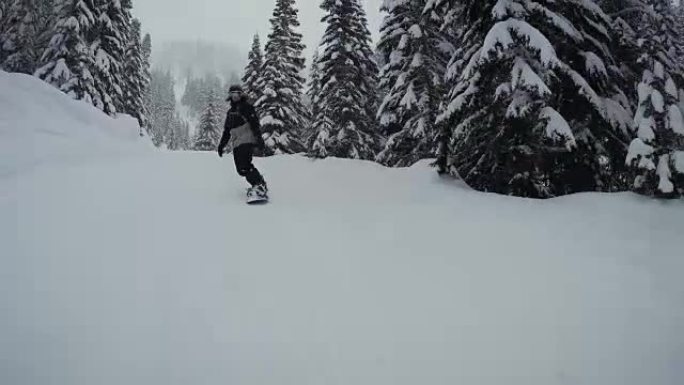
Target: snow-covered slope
39	124
146	267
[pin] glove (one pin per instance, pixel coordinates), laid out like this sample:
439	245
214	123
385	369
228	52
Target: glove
220	152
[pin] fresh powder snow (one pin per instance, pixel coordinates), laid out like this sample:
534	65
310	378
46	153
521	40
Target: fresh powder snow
122	264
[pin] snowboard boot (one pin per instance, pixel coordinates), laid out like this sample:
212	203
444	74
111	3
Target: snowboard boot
260	190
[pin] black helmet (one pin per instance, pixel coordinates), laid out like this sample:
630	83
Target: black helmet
235	88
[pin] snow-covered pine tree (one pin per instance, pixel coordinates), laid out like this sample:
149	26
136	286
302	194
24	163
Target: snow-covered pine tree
208	133
625	16
46	24
45	11
344	126
678	32
537	108
211	88
184	142
280	106
313	97
109	48
201	91
147	78
18	42
416	53
314	90
135	77
250	80
170	134
657	153
4	25
466	43
191	94
67	61
153	107
147	49
177	135
679	23
162	108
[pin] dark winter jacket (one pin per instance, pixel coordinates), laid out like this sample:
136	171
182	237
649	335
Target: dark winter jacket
241	126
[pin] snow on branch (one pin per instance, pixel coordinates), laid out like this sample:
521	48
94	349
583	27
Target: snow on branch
557	128
523	75
641	151
500	36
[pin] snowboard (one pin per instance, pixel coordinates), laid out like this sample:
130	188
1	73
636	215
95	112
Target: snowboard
254	198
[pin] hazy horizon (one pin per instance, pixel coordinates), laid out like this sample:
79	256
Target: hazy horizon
234	22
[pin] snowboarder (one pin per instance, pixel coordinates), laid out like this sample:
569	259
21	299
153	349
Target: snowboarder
242	131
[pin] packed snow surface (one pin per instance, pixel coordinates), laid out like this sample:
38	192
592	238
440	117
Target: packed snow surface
125	265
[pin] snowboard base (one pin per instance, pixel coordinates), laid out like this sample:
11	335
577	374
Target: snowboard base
256	200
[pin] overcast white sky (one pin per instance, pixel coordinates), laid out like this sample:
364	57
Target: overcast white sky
232	21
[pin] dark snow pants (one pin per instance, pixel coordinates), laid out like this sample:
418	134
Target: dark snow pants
243	163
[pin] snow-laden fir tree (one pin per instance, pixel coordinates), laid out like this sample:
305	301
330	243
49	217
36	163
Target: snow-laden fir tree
201	91
194	96
657	153
208	132
625	15
161	108
416	53
46	22
466	42
669	34
135	81
210	89
147	76
185	142
282	113
67	61
344	126
678	35
4	25
19	40
679	14
250	80
45	12
313	94
536	109
147	49
109	48
177	135
679	23
191	95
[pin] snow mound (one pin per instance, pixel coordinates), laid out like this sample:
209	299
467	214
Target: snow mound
40	125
